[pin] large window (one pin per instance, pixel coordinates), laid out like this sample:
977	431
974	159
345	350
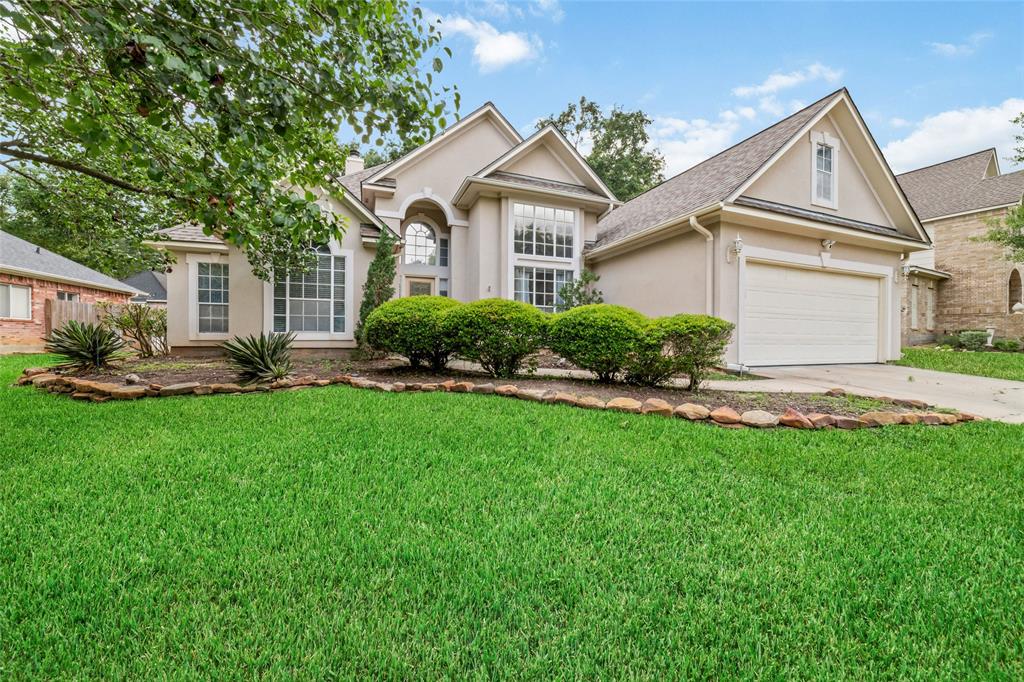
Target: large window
15	302
543	231
312	301
824	173
421	245
212	296
541	286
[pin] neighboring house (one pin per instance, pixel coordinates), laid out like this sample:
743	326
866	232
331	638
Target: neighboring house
152	286
795	234
965	282
29	276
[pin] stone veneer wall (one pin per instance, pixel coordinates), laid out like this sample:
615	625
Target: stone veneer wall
26	336
977	294
923	333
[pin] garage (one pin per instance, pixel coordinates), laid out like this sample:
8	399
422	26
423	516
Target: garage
803	316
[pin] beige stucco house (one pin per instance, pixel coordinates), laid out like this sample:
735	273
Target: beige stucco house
797	235
965	282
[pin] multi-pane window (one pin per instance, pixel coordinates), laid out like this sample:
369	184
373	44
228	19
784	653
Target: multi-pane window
442	252
212	295
442	286
67	296
312	301
15	302
541	286
421	245
823	172
543	231
929	311
913	305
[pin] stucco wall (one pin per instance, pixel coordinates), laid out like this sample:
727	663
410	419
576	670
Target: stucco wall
542	163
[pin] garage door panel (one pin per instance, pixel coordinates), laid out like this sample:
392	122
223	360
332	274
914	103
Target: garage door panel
802	316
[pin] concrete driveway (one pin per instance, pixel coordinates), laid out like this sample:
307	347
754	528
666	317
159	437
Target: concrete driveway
998	399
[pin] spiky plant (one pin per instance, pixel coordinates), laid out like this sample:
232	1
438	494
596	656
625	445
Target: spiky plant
84	346
261	358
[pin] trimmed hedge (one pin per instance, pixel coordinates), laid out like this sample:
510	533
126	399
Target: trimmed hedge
598	337
973	340
695	342
411	327
496	333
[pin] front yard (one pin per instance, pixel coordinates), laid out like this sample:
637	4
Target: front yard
983	364
347	533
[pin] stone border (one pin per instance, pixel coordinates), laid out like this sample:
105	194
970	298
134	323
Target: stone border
95	391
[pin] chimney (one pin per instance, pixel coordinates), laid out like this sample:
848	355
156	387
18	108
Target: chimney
354	162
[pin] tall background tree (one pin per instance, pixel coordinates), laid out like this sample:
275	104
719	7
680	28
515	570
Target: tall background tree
215	111
619	145
1009	231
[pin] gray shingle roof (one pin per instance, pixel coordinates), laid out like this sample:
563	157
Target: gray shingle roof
960	186
798	212
189	232
707	182
353	181
529	181
152	284
18	254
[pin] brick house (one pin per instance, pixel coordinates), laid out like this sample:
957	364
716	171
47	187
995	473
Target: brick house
964	282
29	276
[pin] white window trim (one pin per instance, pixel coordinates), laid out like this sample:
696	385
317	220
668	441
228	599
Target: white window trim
549	262
821	138
31	291
536	267
418	270
192	261
349	332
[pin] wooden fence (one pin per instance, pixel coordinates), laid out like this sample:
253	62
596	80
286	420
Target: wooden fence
59	312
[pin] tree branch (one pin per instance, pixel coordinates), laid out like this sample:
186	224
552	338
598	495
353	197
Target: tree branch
77	168
30	178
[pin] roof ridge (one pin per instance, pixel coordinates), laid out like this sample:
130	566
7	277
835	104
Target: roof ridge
957	158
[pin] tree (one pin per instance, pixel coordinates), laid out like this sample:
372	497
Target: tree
380	282
1009	231
619	151
93	223
216	111
390	151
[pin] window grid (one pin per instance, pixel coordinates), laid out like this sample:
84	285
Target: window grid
212	294
823	172
442	286
15	302
543	231
541	287
442	252
67	296
312	301
421	245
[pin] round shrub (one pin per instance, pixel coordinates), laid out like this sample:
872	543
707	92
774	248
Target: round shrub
1007	345
680	344
598	337
496	333
411	327
973	340
649	364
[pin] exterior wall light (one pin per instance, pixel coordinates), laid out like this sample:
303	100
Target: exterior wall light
828	244
735	248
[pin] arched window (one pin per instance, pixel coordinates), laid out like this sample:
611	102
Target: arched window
420	245
1016	294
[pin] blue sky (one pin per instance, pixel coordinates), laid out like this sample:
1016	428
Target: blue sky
933	80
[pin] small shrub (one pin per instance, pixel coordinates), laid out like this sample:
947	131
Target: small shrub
142	324
649	364
1007	345
973	340
411	327
681	344
261	358
598	337
951	340
85	346
581	291
496	333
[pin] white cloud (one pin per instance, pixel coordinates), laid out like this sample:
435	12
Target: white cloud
783	81
548	8
897	122
493	50
964	49
954	133
500	9
770	105
686	143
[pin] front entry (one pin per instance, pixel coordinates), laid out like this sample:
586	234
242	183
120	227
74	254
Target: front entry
419	286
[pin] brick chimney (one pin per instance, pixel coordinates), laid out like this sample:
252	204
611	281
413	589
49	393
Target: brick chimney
354	162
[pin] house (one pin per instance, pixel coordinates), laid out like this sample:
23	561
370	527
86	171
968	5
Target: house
796	235
152	286
29	277
965	282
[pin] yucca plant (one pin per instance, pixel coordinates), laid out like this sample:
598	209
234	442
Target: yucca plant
261	358
85	346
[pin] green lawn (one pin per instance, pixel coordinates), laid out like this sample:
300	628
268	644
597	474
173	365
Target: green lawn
982	364
339	533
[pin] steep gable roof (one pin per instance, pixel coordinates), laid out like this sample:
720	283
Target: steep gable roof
961	185
708	182
22	257
152	284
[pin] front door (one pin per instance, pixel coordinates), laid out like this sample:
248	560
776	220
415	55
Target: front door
419	286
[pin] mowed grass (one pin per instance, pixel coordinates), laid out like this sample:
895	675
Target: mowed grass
339	533
983	364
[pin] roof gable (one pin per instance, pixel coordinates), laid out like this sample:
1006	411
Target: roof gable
962	185
22	257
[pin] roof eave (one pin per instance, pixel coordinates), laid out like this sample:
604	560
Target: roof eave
38	274
460	200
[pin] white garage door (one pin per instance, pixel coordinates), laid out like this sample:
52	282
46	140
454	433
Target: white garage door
794	316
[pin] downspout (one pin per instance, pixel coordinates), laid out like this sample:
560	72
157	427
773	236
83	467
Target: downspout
709	250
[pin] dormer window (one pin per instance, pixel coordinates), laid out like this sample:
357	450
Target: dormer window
824	170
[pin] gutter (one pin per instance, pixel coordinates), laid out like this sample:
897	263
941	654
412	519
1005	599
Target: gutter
709	265
38	274
617	245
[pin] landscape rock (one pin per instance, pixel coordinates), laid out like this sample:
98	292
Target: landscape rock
446	385
759	419
281	383
931	418
128	392
461	387
358	383
656	406
225	388
132	379
795	419
321	382
548	397
486	389
692	411
150	393
882	418
179	389
78	395
533	395
33	371
968	417
507	390
624	405
98	397
202	390
308	380
725	415
563	398
413	387
398	387
947	418
848	423
910	418
590	402
103	388
835	392
428	388
820	421
383	386
44	380
342	379
155	387
910	402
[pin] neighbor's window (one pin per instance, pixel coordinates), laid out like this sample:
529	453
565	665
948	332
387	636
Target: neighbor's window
312	301
913	305
1015	291
15	302
212	295
543	231
929	307
824	173
421	245
67	296
540	286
